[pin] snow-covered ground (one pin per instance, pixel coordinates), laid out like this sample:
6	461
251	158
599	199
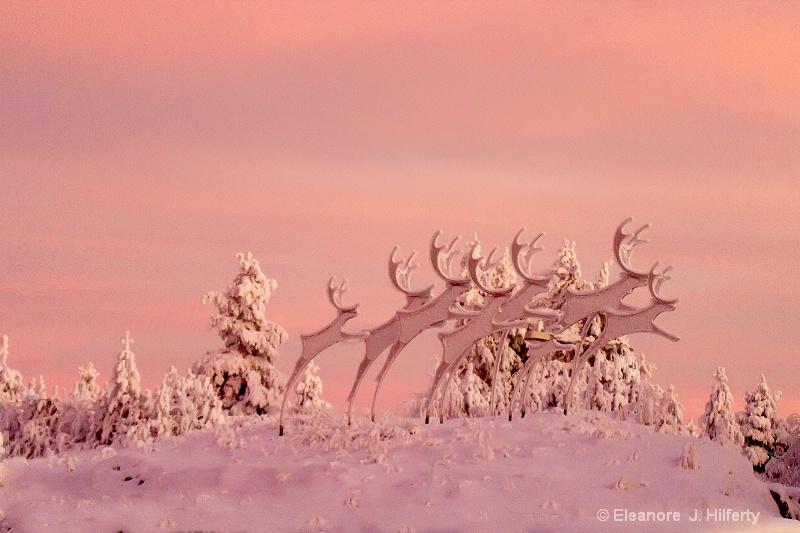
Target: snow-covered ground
545	472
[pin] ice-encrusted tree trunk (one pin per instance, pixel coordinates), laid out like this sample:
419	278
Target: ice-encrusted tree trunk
244	372
765	433
718	420
125	407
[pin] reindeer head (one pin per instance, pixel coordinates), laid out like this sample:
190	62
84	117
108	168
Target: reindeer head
335	296
475	267
521	254
400	274
442	258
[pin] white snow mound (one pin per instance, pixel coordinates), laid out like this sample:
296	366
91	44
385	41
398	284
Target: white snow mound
546	472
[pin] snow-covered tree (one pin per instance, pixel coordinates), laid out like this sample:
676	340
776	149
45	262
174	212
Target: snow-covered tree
124	410
86	388
613	377
309	391
765	434
12	388
244	372
36	438
786	468
184	404
547	385
660	409
36	390
718	420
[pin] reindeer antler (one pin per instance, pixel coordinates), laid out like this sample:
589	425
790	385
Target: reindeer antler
335	296
654	284
400	275
522	254
442	257
476	264
624	243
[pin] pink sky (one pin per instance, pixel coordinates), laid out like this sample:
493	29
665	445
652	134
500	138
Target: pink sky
143	144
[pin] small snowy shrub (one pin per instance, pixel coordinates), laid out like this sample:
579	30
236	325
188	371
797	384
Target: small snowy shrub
243	372
689	457
184	404
309	391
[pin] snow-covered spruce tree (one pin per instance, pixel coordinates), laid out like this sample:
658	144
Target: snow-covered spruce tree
12	388
244	372
653	406
309	391
125	407
718	420
765	434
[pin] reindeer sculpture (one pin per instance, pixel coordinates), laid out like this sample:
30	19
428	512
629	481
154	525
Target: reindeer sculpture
434	313
517	306
605	302
381	337
313	344
625	322
503	309
479	324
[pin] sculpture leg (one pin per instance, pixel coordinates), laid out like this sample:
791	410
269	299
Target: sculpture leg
579	360
362	371
301	364
444	394
527	385
397	347
523	383
441	370
498	354
519	389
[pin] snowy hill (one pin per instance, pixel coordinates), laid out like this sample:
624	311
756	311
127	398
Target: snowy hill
546	472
